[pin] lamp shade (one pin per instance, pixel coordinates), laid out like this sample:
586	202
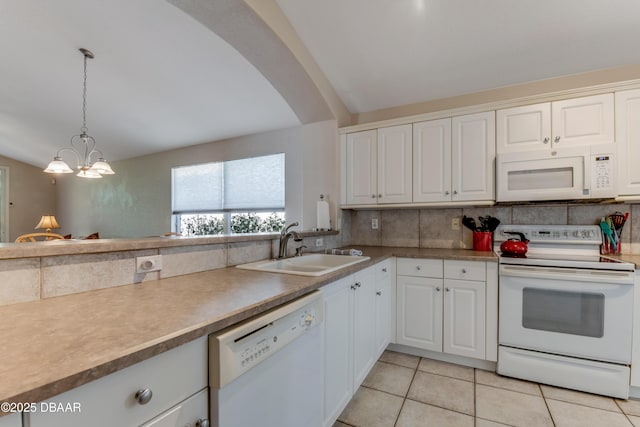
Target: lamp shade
48	222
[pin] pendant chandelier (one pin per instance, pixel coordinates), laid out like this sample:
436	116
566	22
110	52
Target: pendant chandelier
83	146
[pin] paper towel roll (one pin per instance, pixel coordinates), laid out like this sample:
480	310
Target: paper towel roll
323	215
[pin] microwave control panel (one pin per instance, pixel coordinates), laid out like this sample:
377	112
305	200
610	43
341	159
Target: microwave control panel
602	175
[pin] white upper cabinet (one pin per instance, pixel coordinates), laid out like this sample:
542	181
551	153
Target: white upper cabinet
583	121
362	167
628	141
473	153
524	128
453	159
432	161
394	164
378	166
572	122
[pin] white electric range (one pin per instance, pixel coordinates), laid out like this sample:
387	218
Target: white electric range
565	315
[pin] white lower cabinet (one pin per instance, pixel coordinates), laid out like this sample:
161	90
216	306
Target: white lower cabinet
383	306
356	323
11	420
167	390
442	306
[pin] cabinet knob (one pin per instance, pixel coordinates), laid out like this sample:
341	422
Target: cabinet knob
447	289
373	196
353	287
379	196
418	267
446	193
203	422
556	139
143	396
455	192
464	270
358	284
384	270
437	288
546	140
379	293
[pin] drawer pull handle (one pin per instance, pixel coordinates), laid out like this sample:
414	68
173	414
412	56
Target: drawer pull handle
384	270
379	293
143	396
203	422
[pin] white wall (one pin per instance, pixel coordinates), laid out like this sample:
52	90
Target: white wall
136	201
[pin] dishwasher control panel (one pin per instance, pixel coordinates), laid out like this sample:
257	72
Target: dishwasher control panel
241	347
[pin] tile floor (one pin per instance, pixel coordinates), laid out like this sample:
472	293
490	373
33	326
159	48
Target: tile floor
403	390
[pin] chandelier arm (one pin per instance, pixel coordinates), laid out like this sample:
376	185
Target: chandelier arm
75	153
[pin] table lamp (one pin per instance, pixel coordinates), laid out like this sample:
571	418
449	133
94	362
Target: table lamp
48	222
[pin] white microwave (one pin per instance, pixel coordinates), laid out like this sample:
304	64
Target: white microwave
559	174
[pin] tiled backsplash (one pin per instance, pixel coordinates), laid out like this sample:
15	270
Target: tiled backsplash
431	228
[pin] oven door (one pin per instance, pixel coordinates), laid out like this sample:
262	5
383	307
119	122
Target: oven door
572	312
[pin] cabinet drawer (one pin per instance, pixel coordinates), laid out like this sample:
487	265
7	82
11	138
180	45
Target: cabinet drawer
383	271
465	270
172	376
418	267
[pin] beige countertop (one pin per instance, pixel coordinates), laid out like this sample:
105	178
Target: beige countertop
53	345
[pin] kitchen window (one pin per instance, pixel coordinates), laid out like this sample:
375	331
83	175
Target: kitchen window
237	196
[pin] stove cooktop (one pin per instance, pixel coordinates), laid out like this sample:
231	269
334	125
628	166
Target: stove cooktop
563	246
598	262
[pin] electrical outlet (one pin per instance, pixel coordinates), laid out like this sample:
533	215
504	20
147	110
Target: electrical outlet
455	223
374	223
319	242
147	264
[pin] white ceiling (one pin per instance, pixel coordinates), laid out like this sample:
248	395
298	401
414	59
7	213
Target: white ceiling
162	80
385	53
159	80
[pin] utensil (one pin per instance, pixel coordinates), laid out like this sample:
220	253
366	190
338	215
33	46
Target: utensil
515	246
492	223
614	234
606	230
470	223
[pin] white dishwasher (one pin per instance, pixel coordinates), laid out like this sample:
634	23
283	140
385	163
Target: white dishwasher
268	370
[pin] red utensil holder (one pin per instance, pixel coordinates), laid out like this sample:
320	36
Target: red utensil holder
482	240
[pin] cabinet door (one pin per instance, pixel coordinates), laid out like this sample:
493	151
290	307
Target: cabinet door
628	141
383	313
432	161
464	318
419	312
361	173
337	341
363	325
11	420
394	164
583	121
473	157
524	128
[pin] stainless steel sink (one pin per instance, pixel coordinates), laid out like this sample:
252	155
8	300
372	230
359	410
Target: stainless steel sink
306	265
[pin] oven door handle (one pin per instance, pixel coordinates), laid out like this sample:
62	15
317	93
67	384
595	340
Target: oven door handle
605	277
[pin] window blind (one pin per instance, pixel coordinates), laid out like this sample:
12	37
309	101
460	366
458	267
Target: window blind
255	183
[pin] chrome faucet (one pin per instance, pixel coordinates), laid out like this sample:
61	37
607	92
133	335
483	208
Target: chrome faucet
285	235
